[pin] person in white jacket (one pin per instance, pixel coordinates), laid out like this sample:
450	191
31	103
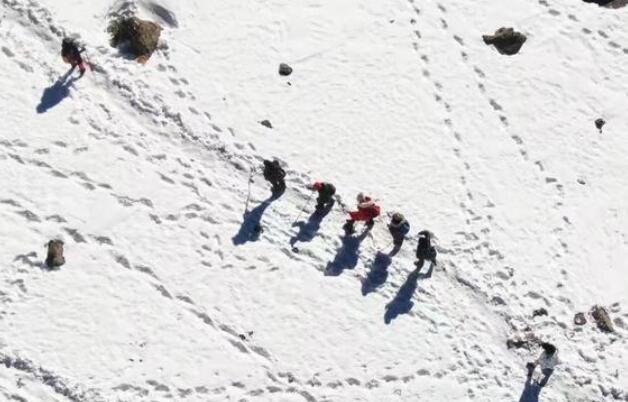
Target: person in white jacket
547	361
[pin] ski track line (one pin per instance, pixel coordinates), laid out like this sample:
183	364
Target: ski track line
491	253
572	19
514	321
474	243
60	386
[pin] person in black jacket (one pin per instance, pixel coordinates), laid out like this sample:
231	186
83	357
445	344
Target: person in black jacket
425	250
72	54
325	197
398	227
275	175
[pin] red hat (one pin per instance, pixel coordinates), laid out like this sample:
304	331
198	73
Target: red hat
317	185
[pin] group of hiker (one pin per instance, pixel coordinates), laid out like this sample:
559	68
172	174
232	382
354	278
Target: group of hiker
366	211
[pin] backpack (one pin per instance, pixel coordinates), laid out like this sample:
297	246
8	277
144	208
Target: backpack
405	228
278	171
328	189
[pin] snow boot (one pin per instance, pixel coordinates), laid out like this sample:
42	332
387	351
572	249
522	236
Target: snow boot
348	227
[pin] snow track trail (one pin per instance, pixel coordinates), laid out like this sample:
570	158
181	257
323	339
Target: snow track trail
168	294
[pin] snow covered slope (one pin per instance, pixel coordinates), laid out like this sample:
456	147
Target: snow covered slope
167	292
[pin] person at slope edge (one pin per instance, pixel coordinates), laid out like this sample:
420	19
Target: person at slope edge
72	54
425	250
326	193
398	227
275	175
547	361
367	211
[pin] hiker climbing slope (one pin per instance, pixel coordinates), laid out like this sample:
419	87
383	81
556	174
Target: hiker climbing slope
326	193
72	54
425	250
398	227
366	212
275	175
547	361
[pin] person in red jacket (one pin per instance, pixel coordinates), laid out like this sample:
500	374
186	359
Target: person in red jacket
71	54
367	211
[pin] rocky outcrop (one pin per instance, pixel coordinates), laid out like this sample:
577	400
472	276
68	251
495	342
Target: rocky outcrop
506	40
602	319
579	319
138	37
609	3
285	69
55	257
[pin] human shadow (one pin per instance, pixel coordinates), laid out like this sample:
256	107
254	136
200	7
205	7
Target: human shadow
347	255
251	227
56	93
378	274
530	392
309	229
402	303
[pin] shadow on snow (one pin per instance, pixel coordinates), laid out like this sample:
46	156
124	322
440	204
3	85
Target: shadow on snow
347	255
378	274
402	303
309	229
530	392
251	227
56	93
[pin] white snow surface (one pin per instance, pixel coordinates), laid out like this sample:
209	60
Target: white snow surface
143	172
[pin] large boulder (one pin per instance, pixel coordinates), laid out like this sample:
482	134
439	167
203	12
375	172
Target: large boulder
55	257
602	319
285	69
139	37
609	3
506	40
579	319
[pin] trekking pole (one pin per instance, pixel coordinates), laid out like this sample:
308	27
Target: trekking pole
303	208
248	196
342	204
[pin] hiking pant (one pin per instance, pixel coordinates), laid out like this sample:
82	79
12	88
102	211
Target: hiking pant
362	215
546	375
323	200
397	236
278	185
76	62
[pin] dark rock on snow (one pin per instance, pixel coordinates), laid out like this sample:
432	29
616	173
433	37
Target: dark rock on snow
266	123
55	257
539	312
285	69
599	123
139	36
602	319
609	3
506	40
579	319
